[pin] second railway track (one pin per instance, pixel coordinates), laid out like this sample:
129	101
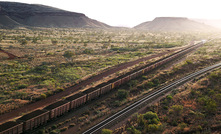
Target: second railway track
126	111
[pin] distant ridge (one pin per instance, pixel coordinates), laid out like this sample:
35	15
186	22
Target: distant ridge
13	14
214	23
173	24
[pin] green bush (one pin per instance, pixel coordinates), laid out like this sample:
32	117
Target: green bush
150	84
122	94
43	96
133	83
41	69
152	127
22	86
106	131
150	115
133	130
88	51
23	42
68	54
208	104
182	126
54	126
63	129
169	97
176	110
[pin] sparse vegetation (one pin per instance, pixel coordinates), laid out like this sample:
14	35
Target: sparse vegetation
193	108
47	53
106	131
45	69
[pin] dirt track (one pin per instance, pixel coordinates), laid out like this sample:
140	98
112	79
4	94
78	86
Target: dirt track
68	91
11	56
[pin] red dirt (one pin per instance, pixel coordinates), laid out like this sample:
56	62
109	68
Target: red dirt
72	89
11	56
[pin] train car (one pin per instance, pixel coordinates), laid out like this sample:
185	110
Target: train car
92	93
151	67
11	127
34	119
115	83
58	108
106	88
77	100
133	75
140	72
125	79
146	69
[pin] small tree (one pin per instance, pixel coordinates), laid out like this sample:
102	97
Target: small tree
43	96
122	94
176	110
68	54
54	42
133	130
24	42
88	51
106	131
35	40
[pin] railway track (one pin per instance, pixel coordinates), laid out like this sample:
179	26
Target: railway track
34	119
72	89
128	110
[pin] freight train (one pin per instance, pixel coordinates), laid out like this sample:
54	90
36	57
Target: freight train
39	117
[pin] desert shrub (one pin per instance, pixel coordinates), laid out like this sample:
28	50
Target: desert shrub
122	94
124	49
88	51
106	131
209	105
117	103
156	82
59	89
72	125
54	126
63	129
50	53
151	117
144	77
68	54
54	42
23	42
176	110
174	123
66	74
133	83
169	97
140	120
34	40
22	86
152	127
133	130
55	132
42	131
182	126
150	84
187	62
43	96
41	69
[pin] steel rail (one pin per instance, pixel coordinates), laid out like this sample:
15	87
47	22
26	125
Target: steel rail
142	101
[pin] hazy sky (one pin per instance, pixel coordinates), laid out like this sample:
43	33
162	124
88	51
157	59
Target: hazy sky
133	12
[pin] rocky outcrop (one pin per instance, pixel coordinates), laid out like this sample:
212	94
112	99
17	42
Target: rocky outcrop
20	14
173	24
